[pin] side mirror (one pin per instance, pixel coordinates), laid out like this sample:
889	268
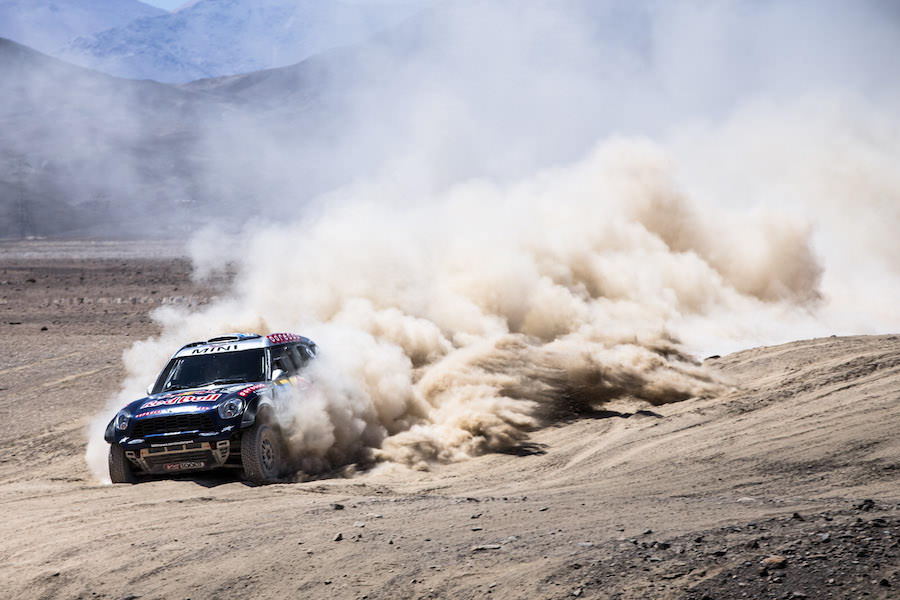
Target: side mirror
277	374
149	389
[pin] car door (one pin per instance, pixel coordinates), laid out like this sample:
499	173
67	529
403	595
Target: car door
282	359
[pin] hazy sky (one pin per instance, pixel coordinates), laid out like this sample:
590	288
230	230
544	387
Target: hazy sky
166	4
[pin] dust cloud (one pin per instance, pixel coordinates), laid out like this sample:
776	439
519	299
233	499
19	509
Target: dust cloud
457	314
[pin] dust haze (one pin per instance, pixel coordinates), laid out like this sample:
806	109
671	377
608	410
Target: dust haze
513	215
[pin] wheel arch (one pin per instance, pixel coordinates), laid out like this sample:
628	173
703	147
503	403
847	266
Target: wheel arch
258	407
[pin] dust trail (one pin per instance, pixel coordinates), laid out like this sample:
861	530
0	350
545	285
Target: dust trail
463	322
455	316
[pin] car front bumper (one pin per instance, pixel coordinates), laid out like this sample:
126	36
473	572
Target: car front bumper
183	451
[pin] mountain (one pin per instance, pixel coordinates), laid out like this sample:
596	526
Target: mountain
261	144
48	25
211	38
80	149
462	90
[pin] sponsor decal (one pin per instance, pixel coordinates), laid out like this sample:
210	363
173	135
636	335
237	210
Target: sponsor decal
148	413
249	390
210	349
184	465
280	338
180	400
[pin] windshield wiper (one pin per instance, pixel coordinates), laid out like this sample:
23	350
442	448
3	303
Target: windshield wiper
229	380
172	388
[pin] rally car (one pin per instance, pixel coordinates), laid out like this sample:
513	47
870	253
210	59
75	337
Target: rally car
213	406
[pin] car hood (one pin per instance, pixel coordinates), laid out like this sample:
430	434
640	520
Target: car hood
192	400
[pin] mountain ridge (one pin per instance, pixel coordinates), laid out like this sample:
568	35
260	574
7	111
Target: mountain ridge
49	25
211	39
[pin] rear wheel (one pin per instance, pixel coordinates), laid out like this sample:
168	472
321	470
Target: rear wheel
261	453
119	468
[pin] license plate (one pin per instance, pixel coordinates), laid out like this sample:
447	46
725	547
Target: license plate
181	466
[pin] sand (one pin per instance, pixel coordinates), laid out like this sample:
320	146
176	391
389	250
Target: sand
799	459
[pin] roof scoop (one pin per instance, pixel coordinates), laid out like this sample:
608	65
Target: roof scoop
233	337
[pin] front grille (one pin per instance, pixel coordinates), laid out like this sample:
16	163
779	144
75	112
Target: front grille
173	424
178	457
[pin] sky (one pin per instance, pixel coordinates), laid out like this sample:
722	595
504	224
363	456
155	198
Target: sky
166	4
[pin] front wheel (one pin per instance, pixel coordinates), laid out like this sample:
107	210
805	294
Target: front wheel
119	468
261	453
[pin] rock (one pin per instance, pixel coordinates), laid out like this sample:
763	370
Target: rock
648	532
776	561
798	595
484	547
824	537
542	509
339	537
337	506
359	524
884	582
476	516
797	517
477	529
866	505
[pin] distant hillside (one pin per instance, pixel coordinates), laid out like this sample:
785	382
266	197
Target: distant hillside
460	90
48	25
78	147
211	38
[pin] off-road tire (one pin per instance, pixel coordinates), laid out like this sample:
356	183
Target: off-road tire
261	453
119	467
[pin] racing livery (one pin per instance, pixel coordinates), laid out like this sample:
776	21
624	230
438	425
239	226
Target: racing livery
212	406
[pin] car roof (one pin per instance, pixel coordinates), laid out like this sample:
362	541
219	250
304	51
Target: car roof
235	342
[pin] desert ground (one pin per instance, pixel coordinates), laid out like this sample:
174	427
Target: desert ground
786	486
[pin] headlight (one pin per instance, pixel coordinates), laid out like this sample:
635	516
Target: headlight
122	419
231	408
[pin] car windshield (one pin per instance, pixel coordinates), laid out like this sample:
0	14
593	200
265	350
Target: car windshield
223	367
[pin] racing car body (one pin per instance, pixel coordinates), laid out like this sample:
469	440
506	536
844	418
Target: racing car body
212	406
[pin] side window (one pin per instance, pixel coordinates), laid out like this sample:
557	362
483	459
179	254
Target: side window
282	359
